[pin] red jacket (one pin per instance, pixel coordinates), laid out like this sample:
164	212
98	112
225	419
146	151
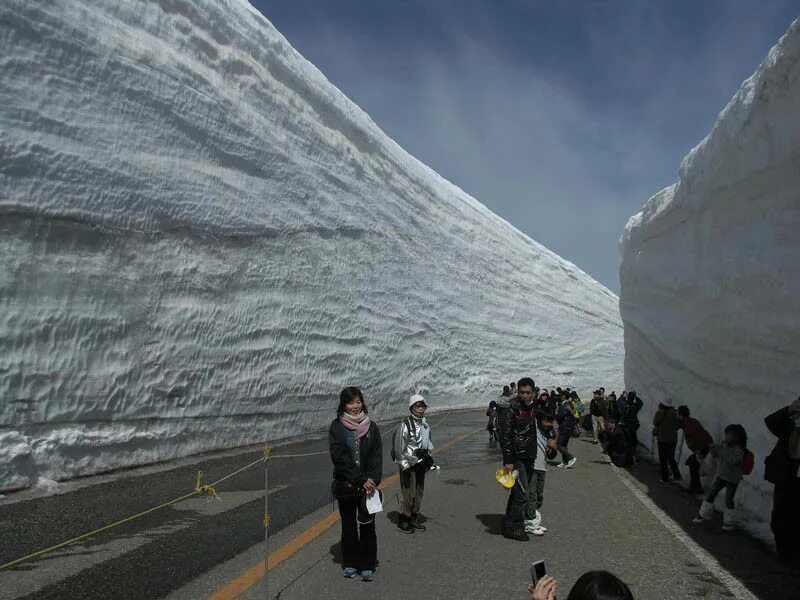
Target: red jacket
697	438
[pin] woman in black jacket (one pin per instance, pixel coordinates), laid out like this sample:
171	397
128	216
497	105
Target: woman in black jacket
357	455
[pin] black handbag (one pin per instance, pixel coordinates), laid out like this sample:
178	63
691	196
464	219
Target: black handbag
344	490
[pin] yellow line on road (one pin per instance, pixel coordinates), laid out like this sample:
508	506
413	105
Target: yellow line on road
256	573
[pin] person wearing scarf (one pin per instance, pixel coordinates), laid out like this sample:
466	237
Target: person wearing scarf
412	448
357	455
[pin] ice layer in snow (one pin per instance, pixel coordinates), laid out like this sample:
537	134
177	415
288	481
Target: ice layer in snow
710	277
203	240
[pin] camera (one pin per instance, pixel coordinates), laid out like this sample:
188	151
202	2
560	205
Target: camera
425	457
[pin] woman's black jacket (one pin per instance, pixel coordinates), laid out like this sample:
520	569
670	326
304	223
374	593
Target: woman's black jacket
371	455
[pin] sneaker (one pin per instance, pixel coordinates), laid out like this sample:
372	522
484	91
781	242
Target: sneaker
367	575
572	462
518	535
539	531
698	519
349	572
562	466
726	527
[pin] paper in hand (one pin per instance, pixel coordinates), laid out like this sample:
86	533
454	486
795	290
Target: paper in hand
374	503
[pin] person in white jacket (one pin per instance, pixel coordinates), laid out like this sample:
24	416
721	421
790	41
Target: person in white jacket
412	454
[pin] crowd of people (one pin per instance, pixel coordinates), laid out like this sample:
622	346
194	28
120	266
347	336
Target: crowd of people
532	427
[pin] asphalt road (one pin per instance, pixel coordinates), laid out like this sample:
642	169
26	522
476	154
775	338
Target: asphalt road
155	555
598	516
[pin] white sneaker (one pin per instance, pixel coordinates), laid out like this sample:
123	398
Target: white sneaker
572	462
539	531
562	466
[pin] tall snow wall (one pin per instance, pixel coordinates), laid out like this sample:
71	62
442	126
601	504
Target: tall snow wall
710	276
203	240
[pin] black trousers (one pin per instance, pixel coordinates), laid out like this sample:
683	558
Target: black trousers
785	521
694	472
666	458
359	542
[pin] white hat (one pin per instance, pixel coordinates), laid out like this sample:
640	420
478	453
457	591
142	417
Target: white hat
416	398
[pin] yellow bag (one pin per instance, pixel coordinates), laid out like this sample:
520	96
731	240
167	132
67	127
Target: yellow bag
505	477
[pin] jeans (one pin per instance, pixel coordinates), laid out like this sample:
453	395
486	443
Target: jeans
359	542
562	447
517	506
785	521
666	458
412	486
535	494
730	491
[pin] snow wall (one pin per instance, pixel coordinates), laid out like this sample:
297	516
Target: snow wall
203	240
710	276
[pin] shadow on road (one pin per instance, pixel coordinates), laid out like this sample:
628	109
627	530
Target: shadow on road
492	522
747	559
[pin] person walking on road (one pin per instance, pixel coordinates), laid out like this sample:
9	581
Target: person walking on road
699	442
566	428
545	450
357	454
665	428
412	454
519	445
783	470
730	455
491	426
597	408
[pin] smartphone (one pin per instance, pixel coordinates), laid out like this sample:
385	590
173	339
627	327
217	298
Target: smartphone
537	571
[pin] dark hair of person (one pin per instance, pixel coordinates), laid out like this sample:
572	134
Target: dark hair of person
506	389
683	411
346	396
599	585
739	433
545	416
513	384
492	404
526	381
631	395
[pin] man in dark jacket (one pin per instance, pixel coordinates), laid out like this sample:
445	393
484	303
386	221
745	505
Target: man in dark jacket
615	443
597	408
783	470
519	445
665	427
630	419
699	442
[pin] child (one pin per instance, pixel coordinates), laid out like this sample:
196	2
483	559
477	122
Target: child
730	455
546	442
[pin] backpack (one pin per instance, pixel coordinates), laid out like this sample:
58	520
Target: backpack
411	426
748	462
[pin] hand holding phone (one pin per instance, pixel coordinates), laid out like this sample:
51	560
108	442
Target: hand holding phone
538	571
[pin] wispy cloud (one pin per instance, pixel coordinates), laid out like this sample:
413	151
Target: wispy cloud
565	145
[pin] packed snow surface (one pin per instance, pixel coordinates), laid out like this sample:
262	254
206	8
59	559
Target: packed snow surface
710	275
203	240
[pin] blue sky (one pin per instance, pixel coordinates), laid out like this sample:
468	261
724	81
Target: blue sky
562	116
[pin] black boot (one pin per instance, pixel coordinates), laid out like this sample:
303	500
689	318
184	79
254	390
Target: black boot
404	524
416	524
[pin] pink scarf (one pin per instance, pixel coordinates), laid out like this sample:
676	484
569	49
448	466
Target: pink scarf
359	423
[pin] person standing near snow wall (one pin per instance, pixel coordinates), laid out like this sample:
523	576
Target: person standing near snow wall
357	454
783	470
411	452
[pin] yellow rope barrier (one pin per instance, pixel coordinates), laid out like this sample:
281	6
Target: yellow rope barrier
208	490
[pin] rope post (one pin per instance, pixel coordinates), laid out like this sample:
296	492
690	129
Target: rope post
266	523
